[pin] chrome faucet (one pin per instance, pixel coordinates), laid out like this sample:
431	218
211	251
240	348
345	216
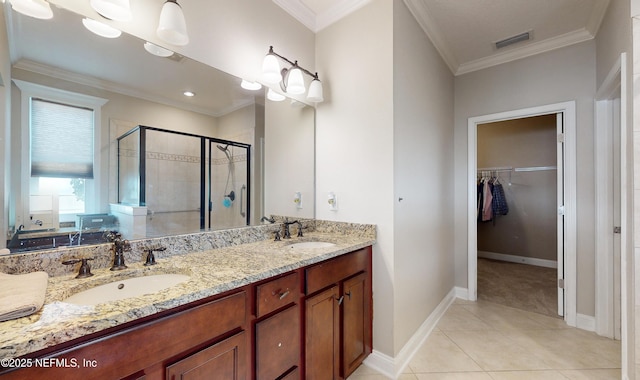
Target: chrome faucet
119	247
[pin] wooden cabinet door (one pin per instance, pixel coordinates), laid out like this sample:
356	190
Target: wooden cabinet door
322	339
355	323
222	361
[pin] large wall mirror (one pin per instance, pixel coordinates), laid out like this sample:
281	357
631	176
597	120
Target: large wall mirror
165	163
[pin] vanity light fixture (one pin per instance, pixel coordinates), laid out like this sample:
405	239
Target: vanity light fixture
117	10
103	30
274	96
33	8
156	50
247	85
291	79
172	27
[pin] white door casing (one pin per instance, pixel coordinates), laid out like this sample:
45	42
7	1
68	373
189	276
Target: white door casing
568	110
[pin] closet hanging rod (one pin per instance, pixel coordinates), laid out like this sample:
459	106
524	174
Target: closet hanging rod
496	169
535	168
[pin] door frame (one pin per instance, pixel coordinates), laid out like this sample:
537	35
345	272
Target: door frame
568	110
615	81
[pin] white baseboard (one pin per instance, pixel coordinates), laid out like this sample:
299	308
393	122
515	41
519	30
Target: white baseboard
586	322
393	367
462	293
518	259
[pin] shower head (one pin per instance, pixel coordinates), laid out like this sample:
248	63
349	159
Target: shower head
225	149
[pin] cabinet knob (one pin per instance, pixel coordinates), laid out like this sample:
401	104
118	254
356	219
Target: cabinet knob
340	300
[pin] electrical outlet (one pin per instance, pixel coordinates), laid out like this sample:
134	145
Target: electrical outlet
332	199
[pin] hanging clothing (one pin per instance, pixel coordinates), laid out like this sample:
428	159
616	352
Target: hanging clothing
480	200
487	208
500	206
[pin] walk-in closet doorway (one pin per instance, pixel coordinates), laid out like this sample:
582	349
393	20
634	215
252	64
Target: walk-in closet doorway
565	173
520	194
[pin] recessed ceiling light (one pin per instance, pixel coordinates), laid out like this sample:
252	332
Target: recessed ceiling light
253	86
103	30
189	93
157	50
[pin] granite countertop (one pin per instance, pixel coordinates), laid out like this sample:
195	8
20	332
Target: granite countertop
211	272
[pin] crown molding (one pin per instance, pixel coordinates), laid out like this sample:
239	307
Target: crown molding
526	51
420	12
86	80
597	15
299	11
317	22
337	12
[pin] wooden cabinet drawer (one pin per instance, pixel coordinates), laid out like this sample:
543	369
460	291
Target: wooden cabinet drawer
278	344
276	293
144	345
334	270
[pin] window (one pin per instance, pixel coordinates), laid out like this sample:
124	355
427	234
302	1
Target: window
60	170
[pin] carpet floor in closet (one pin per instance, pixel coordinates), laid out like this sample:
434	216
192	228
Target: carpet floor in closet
526	287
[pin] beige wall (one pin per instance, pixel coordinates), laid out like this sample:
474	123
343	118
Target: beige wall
289	162
553	77
529	229
354	141
423	176
385	132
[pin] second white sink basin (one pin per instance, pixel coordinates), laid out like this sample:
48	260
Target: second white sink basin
311	244
131	287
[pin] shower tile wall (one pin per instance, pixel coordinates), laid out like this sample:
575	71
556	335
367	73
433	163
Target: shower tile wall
221	216
172	183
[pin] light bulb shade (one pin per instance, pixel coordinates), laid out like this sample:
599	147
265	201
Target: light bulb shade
103	30
117	10
172	27
253	86
33	8
274	96
157	50
315	91
271	69
295	81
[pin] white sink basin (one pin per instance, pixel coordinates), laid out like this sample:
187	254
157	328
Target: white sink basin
311	244
131	287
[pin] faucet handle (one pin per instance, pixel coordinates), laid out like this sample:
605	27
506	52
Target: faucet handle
151	258
299	230
85	268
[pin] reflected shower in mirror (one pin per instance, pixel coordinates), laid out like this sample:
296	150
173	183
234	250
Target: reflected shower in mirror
141	89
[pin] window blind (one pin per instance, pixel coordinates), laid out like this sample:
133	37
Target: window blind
61	140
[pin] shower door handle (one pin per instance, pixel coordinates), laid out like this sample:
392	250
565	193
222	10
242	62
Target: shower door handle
242	194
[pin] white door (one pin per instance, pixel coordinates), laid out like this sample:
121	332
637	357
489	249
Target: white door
617	217
560	203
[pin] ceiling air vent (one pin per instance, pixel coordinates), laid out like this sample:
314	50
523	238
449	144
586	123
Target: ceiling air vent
513	39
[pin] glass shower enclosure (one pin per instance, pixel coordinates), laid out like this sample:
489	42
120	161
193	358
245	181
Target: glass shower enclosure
186	182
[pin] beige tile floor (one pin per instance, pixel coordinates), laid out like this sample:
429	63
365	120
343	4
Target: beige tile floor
486	341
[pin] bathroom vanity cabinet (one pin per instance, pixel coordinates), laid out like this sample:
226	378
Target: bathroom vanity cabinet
338	315
310	323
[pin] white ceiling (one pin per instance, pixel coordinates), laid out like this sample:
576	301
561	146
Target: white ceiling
465	31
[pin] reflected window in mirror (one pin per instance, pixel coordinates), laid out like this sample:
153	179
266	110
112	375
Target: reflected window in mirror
60	132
